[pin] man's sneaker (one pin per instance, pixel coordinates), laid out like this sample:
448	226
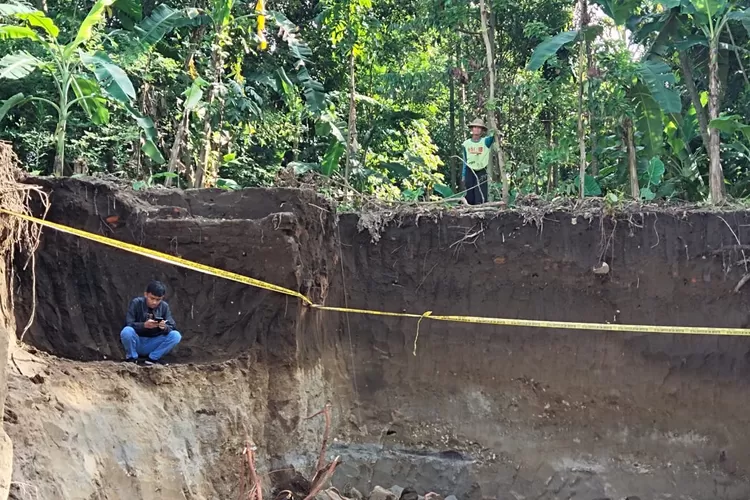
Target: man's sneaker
130	360
151	362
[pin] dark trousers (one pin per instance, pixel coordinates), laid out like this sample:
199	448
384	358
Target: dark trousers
476	186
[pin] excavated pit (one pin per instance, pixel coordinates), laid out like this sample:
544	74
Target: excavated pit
480	411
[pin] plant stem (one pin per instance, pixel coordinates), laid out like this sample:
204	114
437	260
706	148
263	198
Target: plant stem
700	112
351	141
452	120
632	167
737	55
491	105
203	168
716	174
582	67
62	122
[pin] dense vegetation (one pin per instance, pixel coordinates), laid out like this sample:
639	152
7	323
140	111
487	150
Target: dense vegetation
647	99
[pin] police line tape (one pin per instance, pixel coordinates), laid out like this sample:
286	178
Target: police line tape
221	273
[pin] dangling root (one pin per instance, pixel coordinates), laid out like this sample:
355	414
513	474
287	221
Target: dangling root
14	232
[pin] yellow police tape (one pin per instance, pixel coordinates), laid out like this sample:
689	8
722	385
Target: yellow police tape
163	257
220	273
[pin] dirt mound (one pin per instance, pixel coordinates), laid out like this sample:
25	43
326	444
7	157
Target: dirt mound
479	412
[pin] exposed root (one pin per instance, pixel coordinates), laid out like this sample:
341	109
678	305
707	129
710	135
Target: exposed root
296	486
250	477
470	237
607	240
656	219
737	239
14	232
322	477
742	282
327	412
728	248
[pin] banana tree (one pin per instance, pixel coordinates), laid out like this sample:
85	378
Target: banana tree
712	16
221	18
82	78
681	25
649	86
221	90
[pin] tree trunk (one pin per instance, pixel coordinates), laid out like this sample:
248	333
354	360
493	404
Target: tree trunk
582	70
462	93
204	159
716	175
590	75
594	161
635	191
581	135
351	140
452	124
462	109
183	129
484	13
687	72
546	118
62	124
179	138
59	168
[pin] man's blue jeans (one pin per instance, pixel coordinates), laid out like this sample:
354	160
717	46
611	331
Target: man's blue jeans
153	347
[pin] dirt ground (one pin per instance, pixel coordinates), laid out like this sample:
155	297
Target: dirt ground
481	412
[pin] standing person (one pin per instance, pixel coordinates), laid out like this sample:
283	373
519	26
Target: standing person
477	157
149	328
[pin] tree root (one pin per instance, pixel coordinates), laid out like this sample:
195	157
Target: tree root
250	477
322	477
322	457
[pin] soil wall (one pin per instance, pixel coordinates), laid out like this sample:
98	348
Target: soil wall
611	414
7	337
479	411
258	361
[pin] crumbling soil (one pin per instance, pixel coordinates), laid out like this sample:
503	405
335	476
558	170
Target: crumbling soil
480	411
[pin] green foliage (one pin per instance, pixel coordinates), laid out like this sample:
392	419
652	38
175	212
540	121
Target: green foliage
549	48
161	21
144	78
18	65
67	66
651	178
152	180
731	124
660	80
590	185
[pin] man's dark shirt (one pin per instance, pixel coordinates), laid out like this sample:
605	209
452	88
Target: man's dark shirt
138	313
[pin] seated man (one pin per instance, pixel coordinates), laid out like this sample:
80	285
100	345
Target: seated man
150	330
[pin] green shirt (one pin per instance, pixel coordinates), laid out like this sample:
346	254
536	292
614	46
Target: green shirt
477	153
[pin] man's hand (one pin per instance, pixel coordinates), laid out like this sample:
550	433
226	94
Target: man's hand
163	325
150	324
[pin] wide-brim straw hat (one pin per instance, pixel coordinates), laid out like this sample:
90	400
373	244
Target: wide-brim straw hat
477	123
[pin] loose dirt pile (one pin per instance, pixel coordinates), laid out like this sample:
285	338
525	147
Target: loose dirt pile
479	411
